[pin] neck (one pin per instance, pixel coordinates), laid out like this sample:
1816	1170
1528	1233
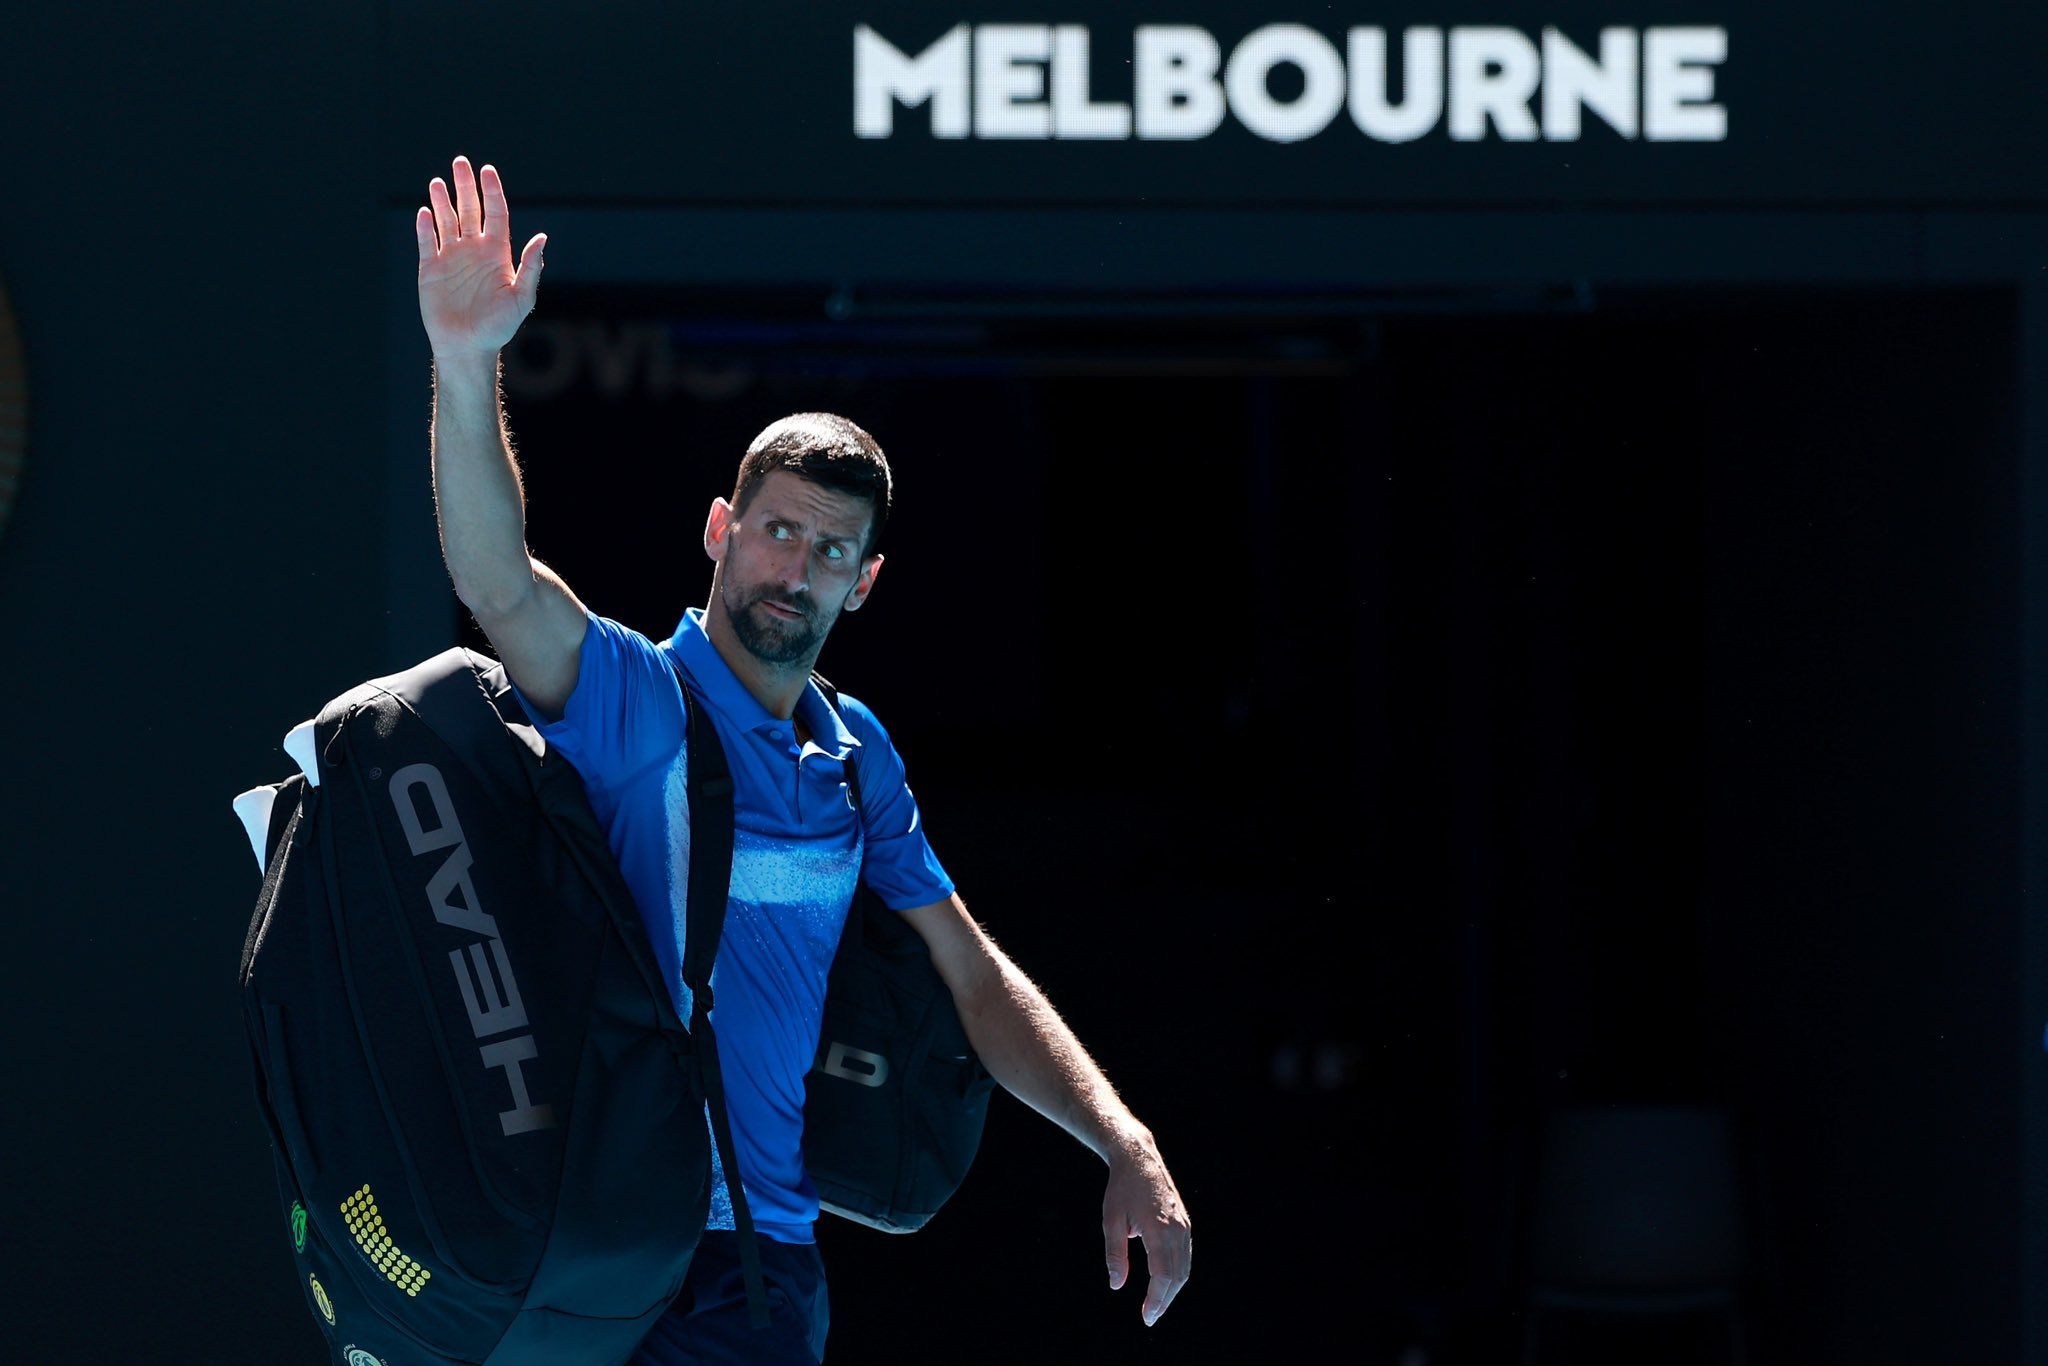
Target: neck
775	686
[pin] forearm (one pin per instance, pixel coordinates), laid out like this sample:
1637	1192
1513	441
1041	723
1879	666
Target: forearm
1033	1054
478	501
1029	1049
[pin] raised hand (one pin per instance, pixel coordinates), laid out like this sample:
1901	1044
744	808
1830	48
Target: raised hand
471	300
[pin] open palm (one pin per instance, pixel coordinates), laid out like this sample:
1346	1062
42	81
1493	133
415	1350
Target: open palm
471	300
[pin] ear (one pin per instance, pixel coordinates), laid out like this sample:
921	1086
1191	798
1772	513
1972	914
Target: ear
717	526
865	584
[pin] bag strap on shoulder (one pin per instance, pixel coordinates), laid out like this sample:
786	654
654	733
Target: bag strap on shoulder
853	759
709	785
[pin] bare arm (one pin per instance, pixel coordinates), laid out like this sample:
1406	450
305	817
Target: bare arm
472	303
1030	1050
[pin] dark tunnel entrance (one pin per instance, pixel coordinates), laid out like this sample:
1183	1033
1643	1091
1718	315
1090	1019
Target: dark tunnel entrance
1506	704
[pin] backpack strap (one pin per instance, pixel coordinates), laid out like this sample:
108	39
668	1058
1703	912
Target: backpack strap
709	783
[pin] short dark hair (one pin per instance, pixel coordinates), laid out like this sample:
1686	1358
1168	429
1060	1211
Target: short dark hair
826	449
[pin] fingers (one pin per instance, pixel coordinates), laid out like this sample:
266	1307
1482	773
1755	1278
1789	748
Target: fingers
1169	1252
497	218
469	210
473	212
1116	1250
444	212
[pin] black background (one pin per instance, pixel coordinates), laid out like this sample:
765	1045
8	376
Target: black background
1500	713
1571	648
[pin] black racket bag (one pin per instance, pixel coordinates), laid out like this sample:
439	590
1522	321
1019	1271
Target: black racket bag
488	1125
895	1102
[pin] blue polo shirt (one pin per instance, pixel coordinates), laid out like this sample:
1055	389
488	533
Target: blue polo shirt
798	851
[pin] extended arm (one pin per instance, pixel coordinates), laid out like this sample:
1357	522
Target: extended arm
478	499
1029	1049
472	303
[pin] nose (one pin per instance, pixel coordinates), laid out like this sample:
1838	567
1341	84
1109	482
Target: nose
793	567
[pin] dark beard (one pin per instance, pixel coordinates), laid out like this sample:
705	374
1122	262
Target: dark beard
771	639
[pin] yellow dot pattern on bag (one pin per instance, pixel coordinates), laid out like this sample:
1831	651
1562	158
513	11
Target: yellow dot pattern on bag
367	1226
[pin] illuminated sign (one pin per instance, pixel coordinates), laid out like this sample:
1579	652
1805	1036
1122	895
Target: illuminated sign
1031	81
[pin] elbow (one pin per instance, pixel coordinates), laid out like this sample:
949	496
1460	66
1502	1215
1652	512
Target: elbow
487	598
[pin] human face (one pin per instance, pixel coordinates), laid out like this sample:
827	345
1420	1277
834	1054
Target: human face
789	565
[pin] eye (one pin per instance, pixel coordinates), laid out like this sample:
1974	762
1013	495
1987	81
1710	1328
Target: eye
833	551
778	531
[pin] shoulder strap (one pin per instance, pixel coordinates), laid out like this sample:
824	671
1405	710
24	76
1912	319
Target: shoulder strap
709	784
852	760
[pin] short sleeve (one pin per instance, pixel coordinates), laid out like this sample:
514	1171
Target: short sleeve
625	713
897	864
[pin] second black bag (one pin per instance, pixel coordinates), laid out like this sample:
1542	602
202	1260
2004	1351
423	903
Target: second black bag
895	1103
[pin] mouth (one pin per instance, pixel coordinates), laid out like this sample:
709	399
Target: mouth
777	610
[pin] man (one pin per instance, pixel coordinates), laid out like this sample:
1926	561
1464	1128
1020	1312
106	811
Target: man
792	549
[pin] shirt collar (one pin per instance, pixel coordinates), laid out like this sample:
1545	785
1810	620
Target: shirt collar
722	688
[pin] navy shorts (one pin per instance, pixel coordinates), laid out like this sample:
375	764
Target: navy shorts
707	1321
